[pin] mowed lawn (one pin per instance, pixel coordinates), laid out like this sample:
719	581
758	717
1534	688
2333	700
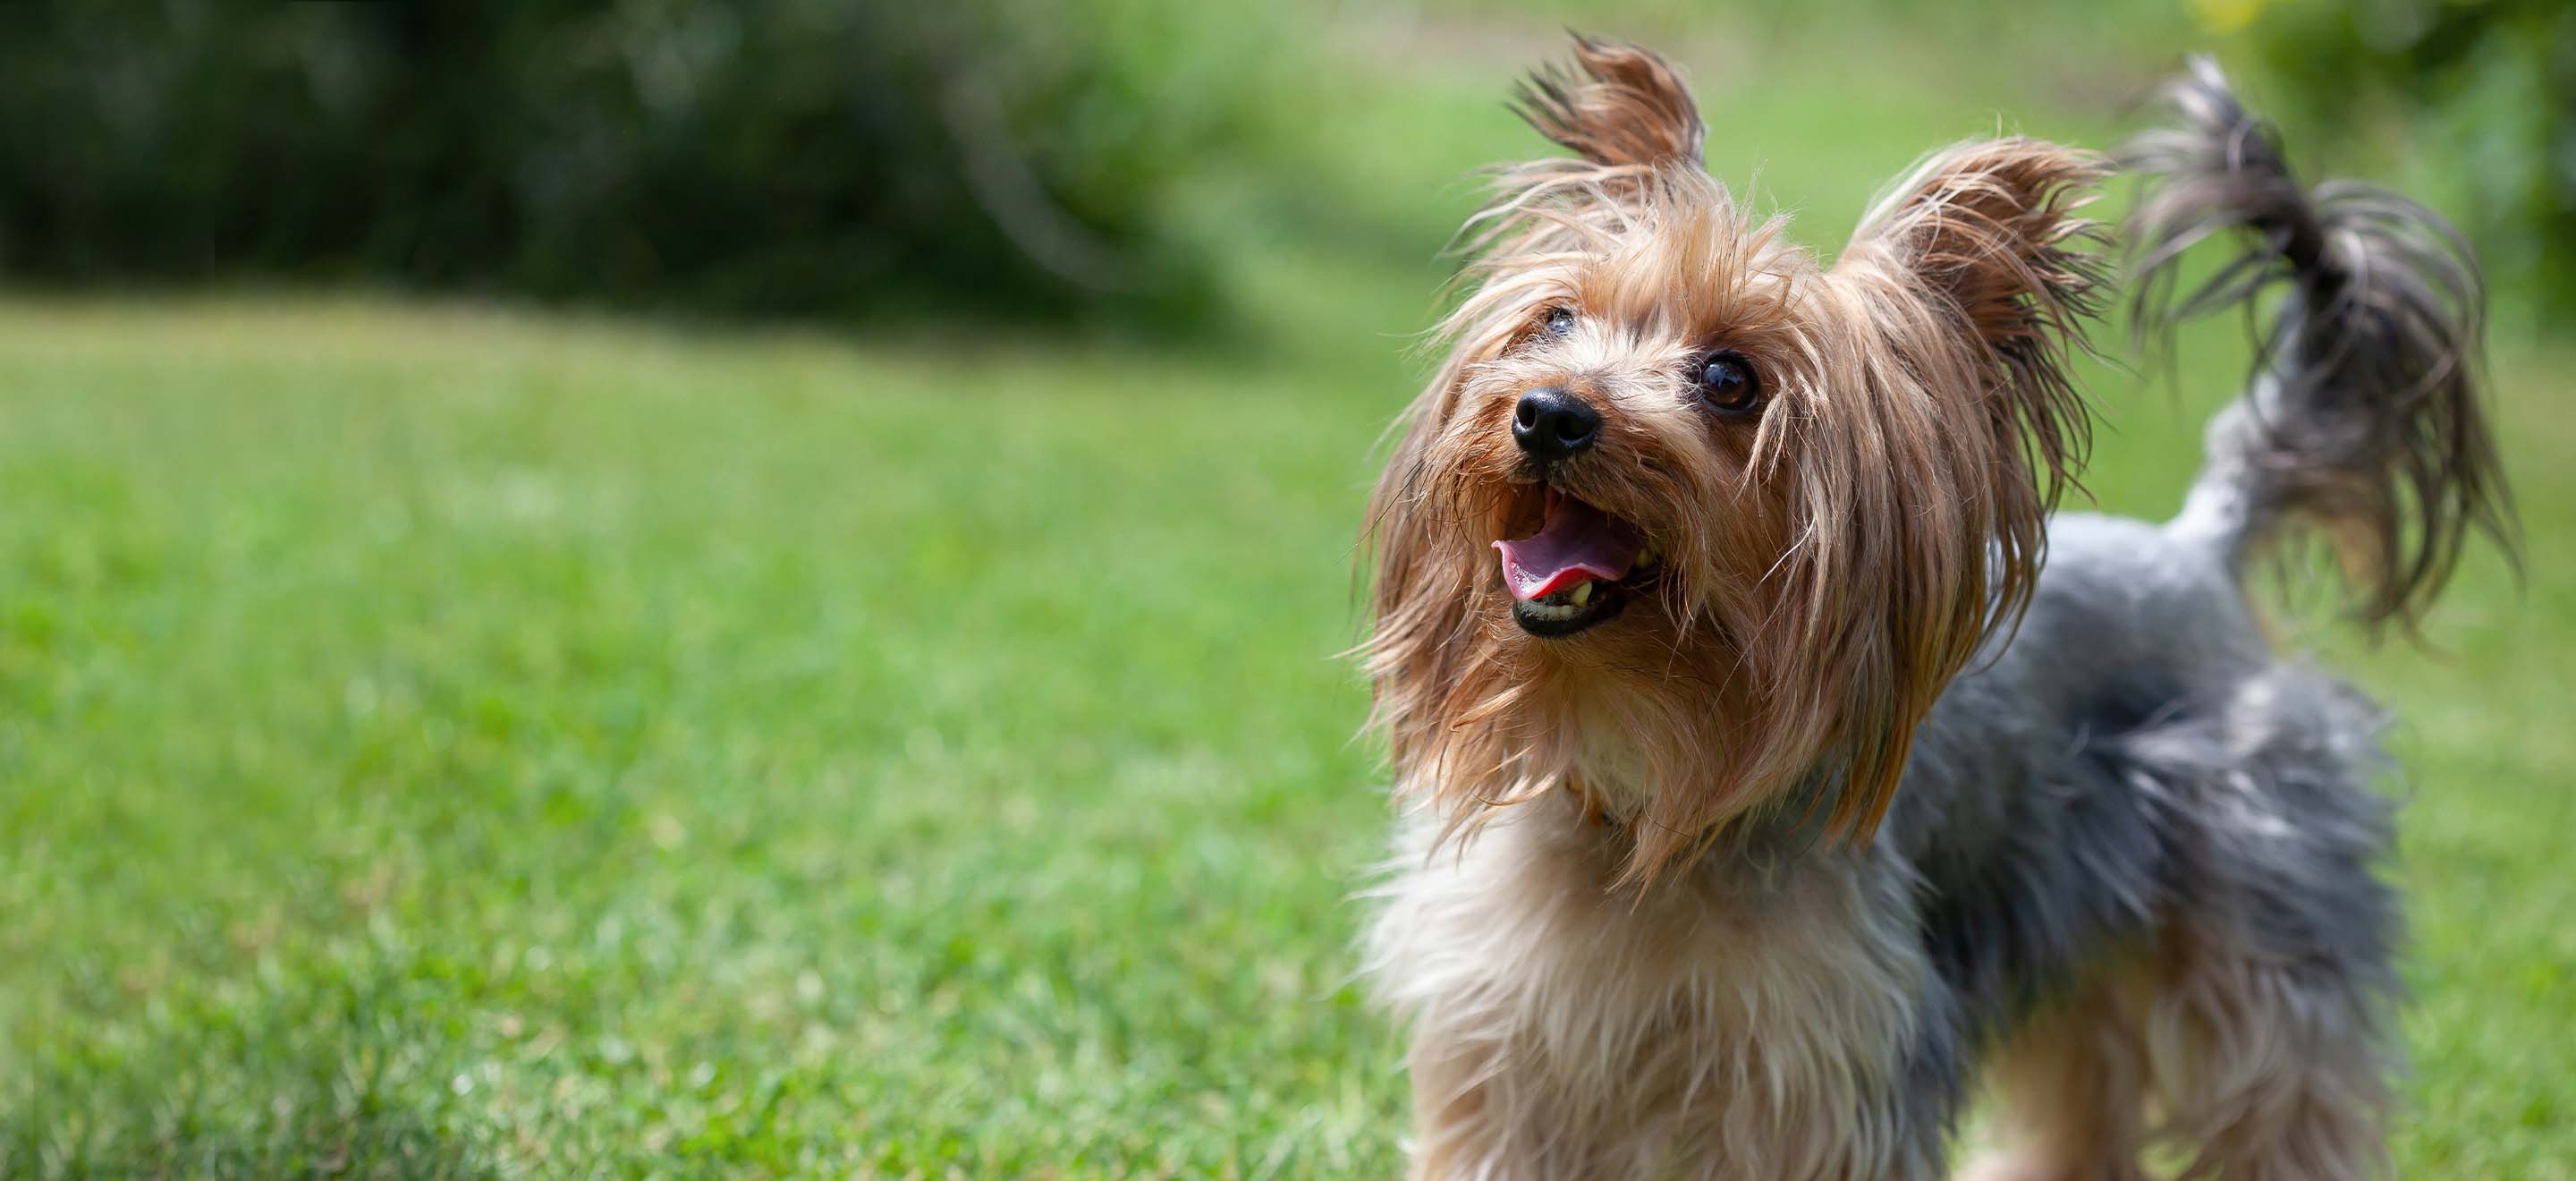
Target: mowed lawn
448	742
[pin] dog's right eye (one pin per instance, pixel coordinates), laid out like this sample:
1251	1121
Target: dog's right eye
1559	321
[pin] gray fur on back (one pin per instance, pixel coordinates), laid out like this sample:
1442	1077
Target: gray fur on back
2132	755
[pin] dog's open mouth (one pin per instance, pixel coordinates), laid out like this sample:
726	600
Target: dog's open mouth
1579	569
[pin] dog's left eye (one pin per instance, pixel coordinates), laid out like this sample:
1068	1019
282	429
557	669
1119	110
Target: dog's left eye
1559	321
1727	384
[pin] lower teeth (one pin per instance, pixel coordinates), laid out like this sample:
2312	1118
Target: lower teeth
1561	605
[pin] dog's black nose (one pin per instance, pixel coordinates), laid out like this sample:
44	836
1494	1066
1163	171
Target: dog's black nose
1552	424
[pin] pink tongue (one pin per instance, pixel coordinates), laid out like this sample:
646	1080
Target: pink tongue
1578	542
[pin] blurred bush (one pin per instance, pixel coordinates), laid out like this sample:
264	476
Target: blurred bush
2490	88
769	156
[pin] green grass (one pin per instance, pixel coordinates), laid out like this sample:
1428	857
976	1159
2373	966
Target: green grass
450	742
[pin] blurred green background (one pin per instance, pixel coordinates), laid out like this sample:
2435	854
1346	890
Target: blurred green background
754	589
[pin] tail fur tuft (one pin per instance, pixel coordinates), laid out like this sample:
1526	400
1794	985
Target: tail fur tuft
2363	418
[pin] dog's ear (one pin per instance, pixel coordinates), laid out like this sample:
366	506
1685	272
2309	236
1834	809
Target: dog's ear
1423	667
1627	107
1926	474
1627	117
1988	234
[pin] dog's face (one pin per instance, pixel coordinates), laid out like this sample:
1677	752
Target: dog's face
1608	451
1689	522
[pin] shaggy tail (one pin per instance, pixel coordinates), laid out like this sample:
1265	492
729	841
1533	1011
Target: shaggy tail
2362	419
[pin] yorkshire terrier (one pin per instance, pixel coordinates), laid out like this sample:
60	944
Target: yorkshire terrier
1779	766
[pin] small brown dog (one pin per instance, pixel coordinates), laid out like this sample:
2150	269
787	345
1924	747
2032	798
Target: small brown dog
1748	826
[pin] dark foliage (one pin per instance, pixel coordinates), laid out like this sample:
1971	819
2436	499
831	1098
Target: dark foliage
2492	88
748	156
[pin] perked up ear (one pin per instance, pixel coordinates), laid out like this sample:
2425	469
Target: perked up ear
1629	108
1989	231
1928	491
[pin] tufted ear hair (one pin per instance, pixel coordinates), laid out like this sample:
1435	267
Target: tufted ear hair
1926	491
1628	107
1989	232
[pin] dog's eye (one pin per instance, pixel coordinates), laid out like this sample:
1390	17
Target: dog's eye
1727	384
1559	321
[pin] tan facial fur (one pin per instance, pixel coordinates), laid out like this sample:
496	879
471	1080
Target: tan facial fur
1826	565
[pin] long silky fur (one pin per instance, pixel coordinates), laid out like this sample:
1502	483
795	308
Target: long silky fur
1863	545
2132	874
2365	420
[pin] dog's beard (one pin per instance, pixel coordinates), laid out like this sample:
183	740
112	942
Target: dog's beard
1594	645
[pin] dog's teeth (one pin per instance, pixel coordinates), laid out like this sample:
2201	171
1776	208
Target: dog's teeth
1547	610
1582	593
1646	558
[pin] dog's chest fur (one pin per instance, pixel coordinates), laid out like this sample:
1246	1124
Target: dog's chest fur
1745	1016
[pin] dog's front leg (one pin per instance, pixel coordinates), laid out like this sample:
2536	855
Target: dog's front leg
1482	1111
